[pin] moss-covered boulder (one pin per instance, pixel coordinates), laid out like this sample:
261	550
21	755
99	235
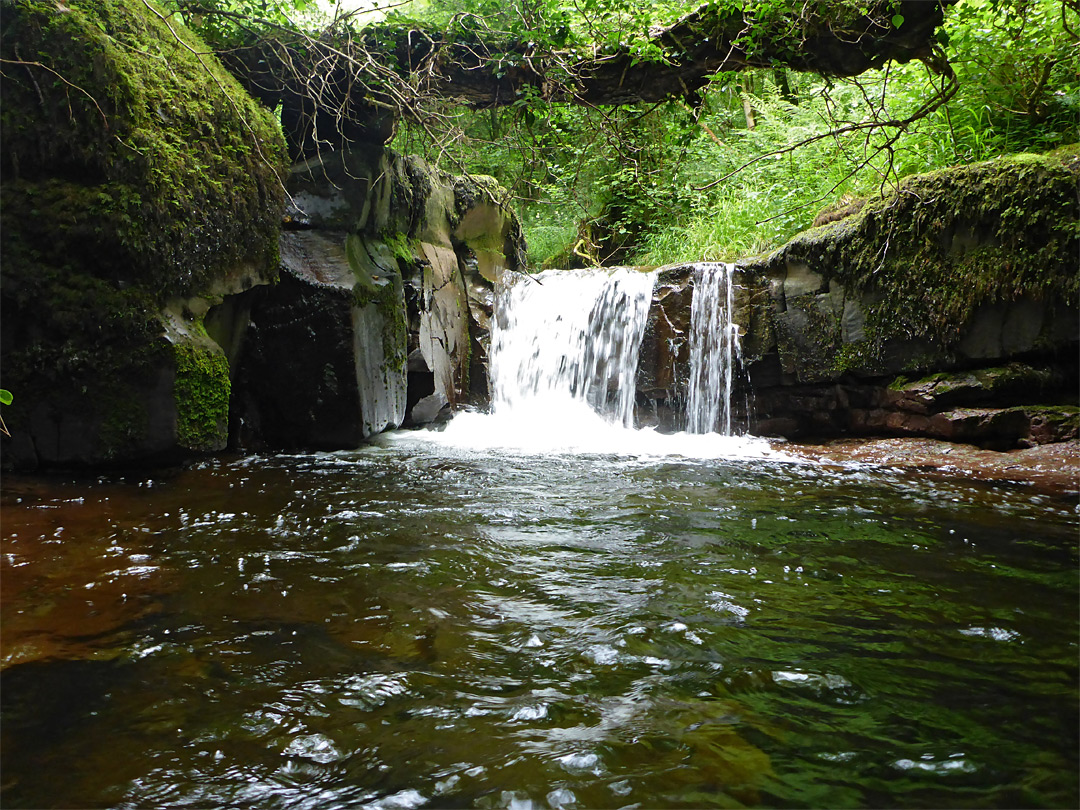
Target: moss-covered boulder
972	264
140	184
965	279
948	279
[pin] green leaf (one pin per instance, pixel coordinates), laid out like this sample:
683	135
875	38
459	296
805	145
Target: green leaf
5	397
897	20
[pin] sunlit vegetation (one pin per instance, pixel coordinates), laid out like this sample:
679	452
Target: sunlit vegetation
755	162
732	168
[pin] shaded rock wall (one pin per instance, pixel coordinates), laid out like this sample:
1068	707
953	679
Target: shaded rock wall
150	310
139	187
314	371
380	318
963	282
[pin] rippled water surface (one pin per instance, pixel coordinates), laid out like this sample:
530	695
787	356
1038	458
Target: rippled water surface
411	626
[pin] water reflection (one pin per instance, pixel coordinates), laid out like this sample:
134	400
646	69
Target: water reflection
408	626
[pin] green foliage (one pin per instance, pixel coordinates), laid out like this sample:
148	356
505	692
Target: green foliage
1018	92
238	17
578	26
202	397
5	399
1020	76
686	179
630	183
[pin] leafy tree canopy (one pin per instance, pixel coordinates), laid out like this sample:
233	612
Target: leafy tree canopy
654	131
488	54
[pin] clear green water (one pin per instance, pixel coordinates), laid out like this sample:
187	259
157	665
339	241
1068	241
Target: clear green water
402	627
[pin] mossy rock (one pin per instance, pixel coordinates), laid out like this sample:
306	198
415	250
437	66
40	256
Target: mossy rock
1001	386
202	397
136	172
948	243
133	139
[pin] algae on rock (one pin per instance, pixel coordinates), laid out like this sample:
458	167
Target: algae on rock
202	398
962	271
138	177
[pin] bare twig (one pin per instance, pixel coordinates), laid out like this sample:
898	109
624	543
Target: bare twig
93	100
947	92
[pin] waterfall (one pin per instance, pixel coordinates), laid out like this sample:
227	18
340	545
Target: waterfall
563	369
569	339
714	350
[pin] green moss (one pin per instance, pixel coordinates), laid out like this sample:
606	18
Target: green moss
400	246
857	356
177	165
810	345
1064	412
358	259
930	379
1063	419
949	242
202	398
103	380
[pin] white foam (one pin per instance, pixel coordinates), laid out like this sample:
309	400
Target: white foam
714	349
563	366
572	428
569	335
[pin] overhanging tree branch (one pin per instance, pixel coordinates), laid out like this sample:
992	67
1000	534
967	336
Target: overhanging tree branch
366	79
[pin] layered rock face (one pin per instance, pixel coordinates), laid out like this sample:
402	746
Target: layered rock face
153	305
380	317
948	309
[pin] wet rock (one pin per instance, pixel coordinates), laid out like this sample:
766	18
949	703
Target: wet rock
112	259
664	356
444	329
800	280
299	382
964	282
427	409
382	314
1049	467
323	362
1006	329
1011	383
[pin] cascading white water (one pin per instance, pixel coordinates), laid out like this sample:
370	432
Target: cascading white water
569	338
563	365
714	349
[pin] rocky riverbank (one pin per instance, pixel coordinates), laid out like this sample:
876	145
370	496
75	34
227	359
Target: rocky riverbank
1051	468
946	309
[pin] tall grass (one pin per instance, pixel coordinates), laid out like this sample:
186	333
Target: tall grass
1019	90
763	200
